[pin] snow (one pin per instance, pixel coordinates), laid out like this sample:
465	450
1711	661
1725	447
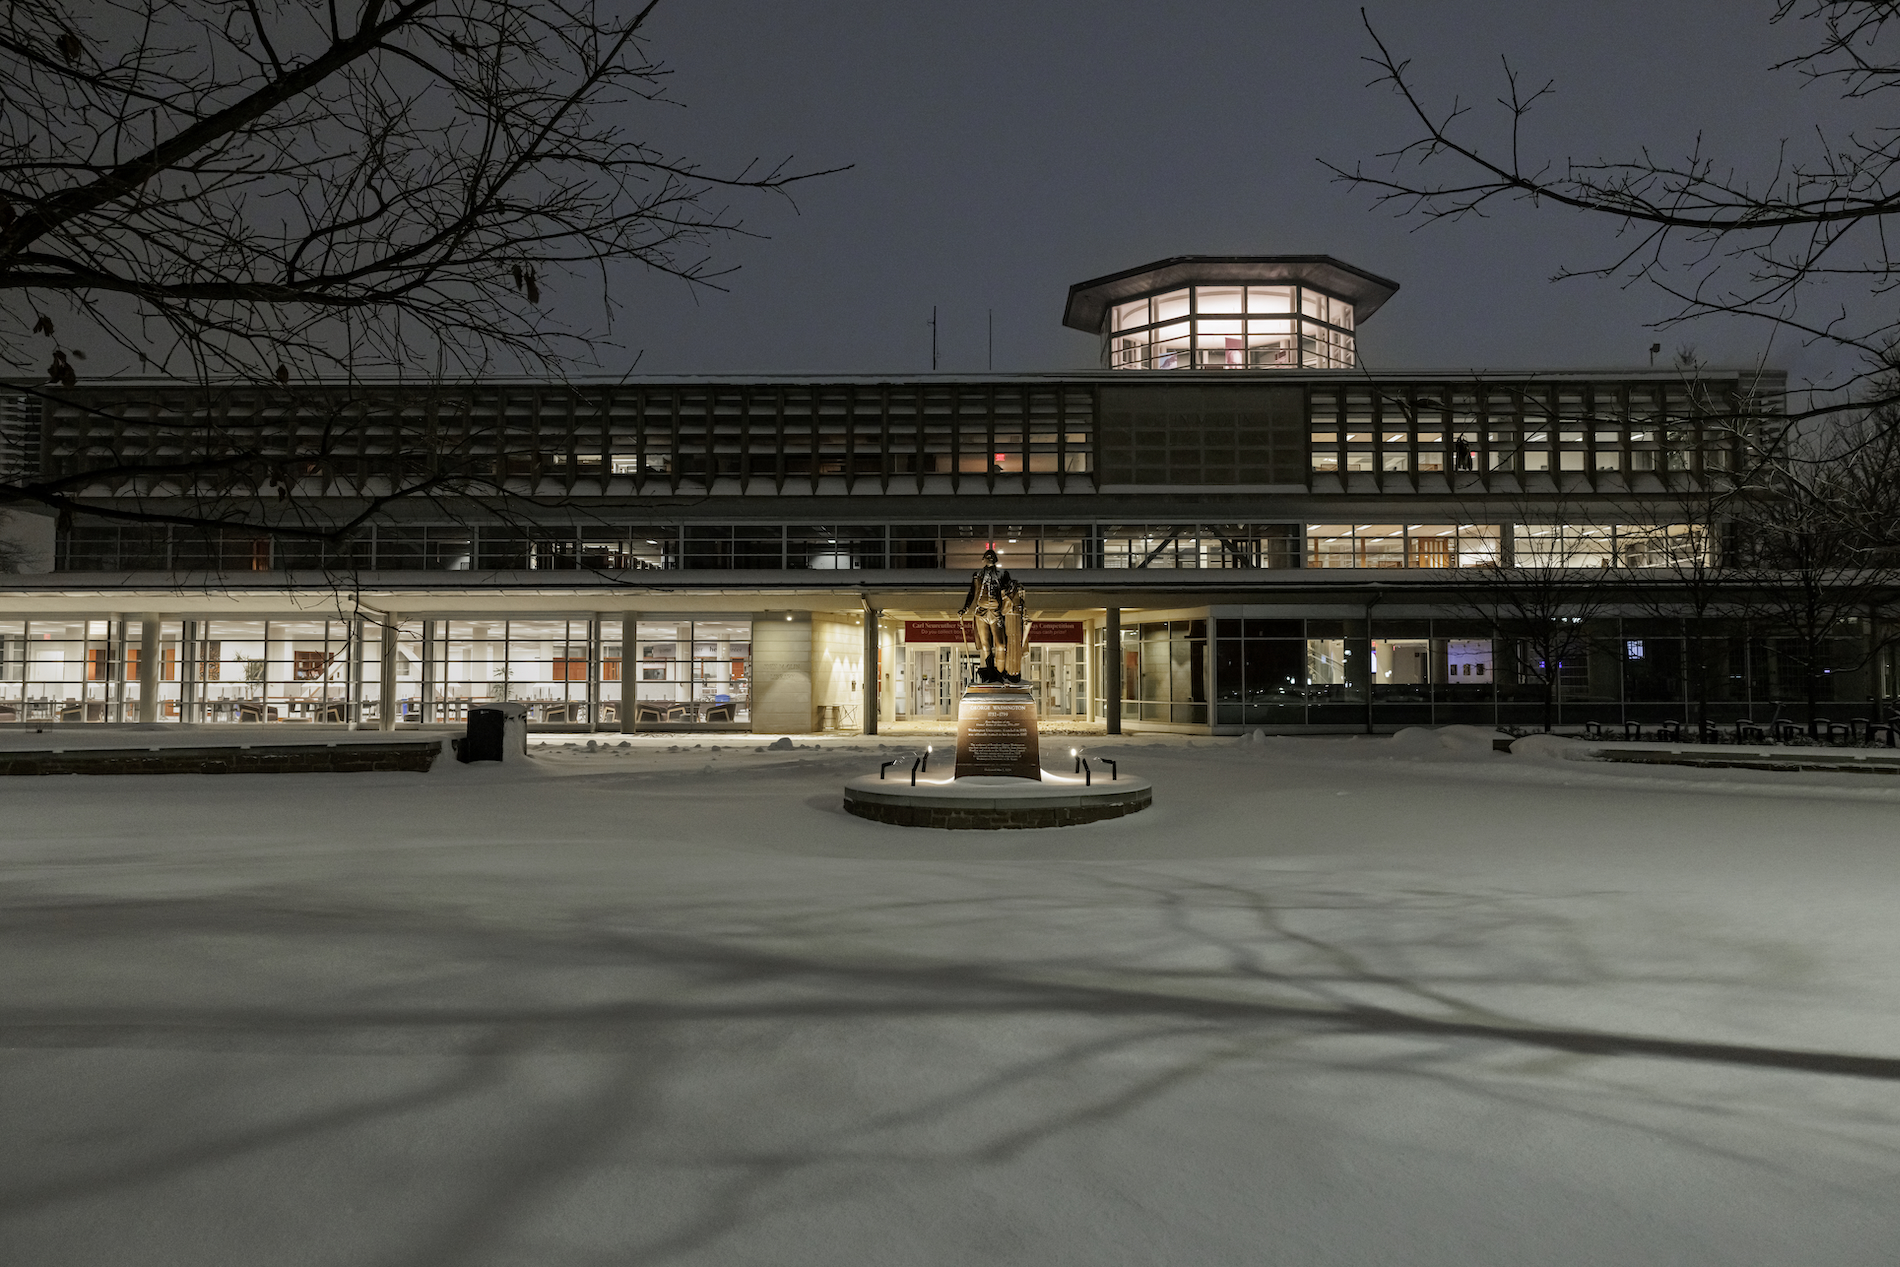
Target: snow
1340	1001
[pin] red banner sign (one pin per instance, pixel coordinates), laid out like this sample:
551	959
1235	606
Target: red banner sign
1055	631
952	631
936	631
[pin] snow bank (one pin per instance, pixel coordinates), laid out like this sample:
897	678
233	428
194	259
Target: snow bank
1549	748
1445	743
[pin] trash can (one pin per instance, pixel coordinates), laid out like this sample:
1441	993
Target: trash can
495	732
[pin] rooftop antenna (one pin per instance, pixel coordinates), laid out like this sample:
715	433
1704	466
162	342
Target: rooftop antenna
933	338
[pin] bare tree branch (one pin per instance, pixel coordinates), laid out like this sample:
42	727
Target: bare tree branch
220	188
1710	240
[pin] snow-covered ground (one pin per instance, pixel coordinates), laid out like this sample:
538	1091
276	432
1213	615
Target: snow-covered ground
1347	1001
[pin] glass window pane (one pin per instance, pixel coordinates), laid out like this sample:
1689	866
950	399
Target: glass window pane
1130	314
1330	546
1400	662
721	672
450	549
1219	299
653	548
663	670
1130	351
1381	545
400	549
1326	661
1269	299
1065	546
1432	545
1171	347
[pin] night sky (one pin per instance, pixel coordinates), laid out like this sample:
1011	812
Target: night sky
1003	151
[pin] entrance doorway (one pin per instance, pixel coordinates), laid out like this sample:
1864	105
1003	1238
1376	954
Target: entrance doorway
937	674
1054	670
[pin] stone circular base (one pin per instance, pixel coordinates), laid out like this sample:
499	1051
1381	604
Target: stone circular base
977	804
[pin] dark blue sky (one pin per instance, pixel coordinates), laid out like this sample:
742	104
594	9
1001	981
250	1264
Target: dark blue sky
1005	150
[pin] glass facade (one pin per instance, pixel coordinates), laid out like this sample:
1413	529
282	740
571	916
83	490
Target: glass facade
626	438
1167	672
935	547
60	670
766	547
1221	670
1199	545
1610	428
1293	673
265	670
1226	327
693	671
1100	471
1512	545
1402	545
568	671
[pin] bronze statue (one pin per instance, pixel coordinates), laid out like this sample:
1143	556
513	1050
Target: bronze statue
1015	627
998	602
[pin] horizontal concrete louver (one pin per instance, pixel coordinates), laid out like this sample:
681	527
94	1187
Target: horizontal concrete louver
1199	435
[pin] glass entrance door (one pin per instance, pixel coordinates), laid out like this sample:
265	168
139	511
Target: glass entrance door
924	676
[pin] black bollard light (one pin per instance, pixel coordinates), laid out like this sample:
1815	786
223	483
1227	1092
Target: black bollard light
887	765
1077	754
928	749
913	770
1088	776
1114	771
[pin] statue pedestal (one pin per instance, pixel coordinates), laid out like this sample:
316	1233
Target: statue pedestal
996	733
979	804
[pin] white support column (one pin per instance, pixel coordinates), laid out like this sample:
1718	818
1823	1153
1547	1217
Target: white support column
629	672
190	658
1085	670
119	632
386	678
426	706
353	677
151	656
869	703
596	637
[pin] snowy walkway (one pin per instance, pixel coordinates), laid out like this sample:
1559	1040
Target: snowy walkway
1328	1002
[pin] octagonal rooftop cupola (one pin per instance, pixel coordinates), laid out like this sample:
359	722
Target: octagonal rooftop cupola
1229	312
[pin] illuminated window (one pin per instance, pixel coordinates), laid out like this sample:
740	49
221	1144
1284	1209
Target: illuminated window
1232	327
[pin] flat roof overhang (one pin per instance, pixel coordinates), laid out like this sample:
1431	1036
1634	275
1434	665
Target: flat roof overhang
1089	301
1053	594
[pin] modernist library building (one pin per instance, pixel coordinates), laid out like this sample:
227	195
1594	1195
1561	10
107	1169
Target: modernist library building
1230	524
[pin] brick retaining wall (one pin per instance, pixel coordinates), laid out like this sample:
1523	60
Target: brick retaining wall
337	758
984	818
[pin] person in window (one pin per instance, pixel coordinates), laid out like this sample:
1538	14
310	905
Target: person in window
989	585
1461	454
